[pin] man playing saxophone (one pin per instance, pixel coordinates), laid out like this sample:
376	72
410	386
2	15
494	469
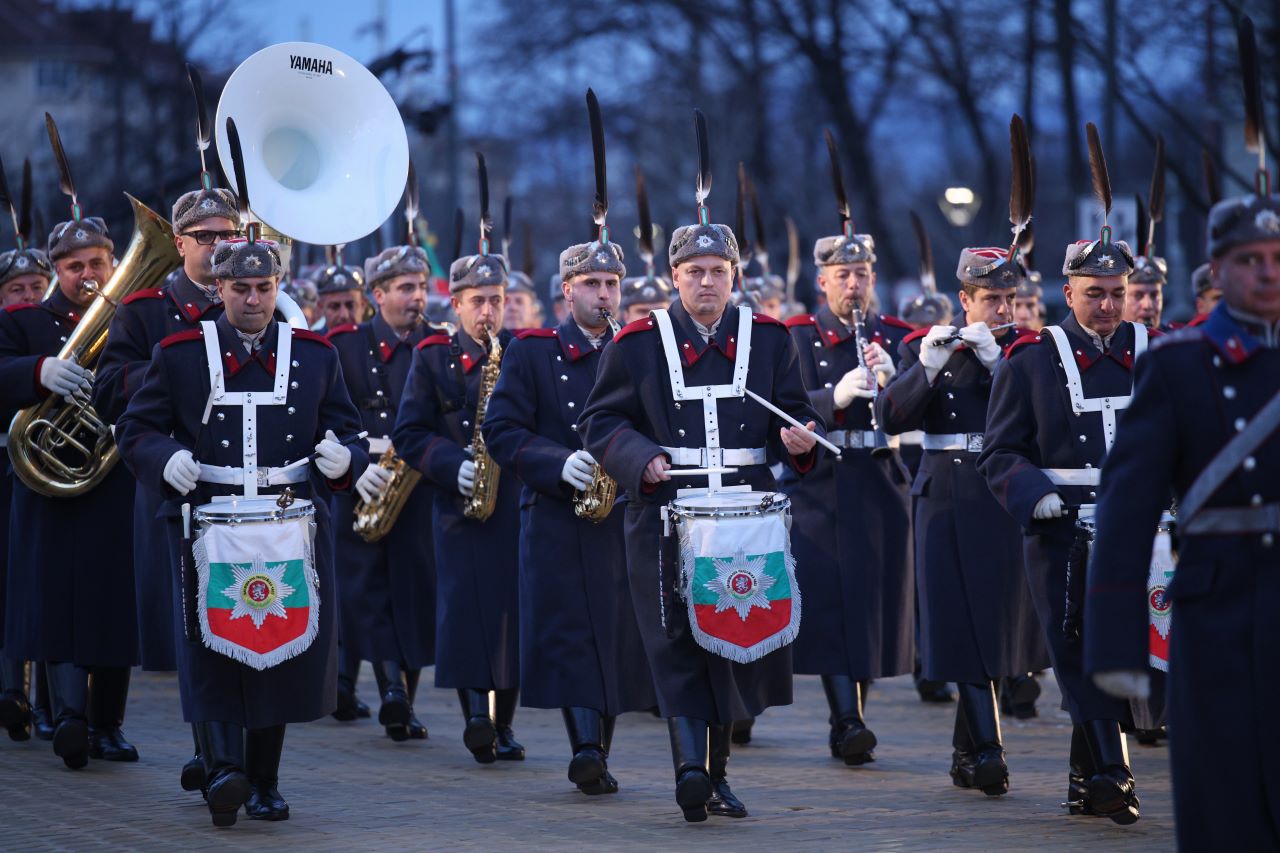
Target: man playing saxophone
387	586
435	432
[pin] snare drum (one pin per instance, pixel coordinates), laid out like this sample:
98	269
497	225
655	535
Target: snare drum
257	589
737	575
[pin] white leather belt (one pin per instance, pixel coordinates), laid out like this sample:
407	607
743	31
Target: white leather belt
853	439
225	475
1073	476
914	436
717	457
378	446
969	442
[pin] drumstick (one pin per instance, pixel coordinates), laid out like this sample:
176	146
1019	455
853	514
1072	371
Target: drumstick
795	423
351	439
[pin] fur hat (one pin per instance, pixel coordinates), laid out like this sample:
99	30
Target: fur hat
477	271
16	262
1095	259
928	309
519	282
337	278
643	290
1201	279
988	266
241	259
693	241
395	261
196	205
839	249
1152	270
586	258
87	233
1243	219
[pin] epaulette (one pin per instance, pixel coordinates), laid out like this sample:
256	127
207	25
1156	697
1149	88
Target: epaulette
801	320
433	340
521	334
643	324
308	335
151	293
1185	335
1029	338
18	306
765	318
890	320
916	335
342	330
195	334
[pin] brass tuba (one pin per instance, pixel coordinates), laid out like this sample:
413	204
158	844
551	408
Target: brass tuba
595	502
484	498
63	449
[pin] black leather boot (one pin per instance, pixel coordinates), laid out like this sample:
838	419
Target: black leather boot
606	726
930	690
193	778
69	695
1081	770
850	738
1112	791
41	715
395	711
417	729
480	736
108	696
962	754
348	671
585	727
990	772
689	755
222	747
1018	695
262	765
15	708
742	731
504	713
722	802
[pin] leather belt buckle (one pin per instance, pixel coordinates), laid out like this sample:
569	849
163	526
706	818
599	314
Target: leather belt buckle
973	442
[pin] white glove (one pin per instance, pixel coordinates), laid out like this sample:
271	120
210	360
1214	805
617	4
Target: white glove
855	383
467	477
63	376
1124	683
1049	506
935	357
978	337
884	367
577	469
182	472
333	459
372	483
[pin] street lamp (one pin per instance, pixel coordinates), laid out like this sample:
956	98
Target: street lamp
960	205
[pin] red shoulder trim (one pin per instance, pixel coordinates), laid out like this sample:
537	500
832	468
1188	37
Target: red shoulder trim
18	306
1197	320
308	335
433	340
890	320
801	320
151	293
195	334
1153	334
765	318
916	335
342	330
535	333
642	325
1028	338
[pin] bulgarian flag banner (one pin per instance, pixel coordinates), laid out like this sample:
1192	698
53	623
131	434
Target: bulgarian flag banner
739	581
257	590
1159	607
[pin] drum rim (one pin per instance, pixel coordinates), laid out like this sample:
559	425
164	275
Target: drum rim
781	503
269	511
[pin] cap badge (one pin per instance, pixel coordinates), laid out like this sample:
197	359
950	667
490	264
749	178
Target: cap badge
602	258
1106	261
1267	221
20	263
339	279
254	261
484	270
208	204
705	242
80	235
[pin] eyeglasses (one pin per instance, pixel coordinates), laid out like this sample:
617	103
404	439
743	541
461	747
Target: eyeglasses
208	238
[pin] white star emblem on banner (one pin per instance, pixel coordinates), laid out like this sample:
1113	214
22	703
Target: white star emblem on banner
258	591
740	583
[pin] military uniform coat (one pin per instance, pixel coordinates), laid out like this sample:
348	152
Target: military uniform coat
977	623
1194	391
70	585
579	642
143	320
1030	426
388	587
852	531
164	417
630	415
477	598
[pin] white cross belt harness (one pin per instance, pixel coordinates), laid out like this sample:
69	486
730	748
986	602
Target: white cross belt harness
1108	407
249	475
708	394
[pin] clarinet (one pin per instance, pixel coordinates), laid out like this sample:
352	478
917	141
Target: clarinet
880	445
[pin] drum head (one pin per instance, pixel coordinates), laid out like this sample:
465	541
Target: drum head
731	503
251	509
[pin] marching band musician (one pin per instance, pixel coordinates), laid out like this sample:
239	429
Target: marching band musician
25	273
177	439
638	431
521	309
1144	291
580	648
477	584
976	620
201	218
1051	419
340	295
1028	305
1206	291
388	586
643	294
74	613
852	527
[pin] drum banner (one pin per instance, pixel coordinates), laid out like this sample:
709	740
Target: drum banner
1159	606
739	581
258	599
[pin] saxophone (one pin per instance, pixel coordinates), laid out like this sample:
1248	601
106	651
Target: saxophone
374	520
484	498
596	501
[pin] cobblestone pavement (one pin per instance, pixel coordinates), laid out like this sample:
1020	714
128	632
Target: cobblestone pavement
351	788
